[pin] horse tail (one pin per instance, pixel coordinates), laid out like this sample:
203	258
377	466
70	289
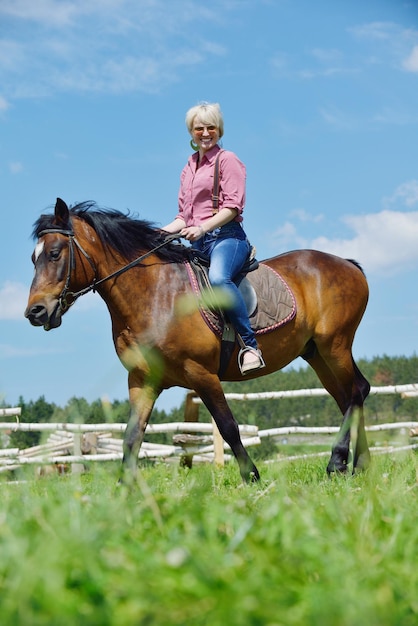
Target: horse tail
357	264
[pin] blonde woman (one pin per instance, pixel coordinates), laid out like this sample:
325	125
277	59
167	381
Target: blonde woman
216	228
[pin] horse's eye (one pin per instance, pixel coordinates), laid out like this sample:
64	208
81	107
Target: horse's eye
54	254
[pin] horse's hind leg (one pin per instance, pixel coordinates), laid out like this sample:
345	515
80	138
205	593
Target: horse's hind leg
347	385
352	431
214	399
361	454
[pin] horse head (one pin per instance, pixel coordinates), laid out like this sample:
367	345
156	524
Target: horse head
54	261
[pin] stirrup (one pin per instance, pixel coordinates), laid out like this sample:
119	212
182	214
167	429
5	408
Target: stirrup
250	367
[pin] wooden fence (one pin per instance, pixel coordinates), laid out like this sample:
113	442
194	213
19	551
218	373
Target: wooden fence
406	391
75	445
79	444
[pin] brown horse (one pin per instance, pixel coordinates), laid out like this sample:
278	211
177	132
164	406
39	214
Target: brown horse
143	280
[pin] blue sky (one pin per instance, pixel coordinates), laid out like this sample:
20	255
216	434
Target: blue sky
320	101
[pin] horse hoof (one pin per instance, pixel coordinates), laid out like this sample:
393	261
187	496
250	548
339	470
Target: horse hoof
334	468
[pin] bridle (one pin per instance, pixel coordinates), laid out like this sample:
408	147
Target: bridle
63	302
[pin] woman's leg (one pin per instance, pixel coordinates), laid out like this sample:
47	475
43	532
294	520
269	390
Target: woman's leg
226	260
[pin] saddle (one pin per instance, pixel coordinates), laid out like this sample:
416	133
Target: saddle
201	262
256	282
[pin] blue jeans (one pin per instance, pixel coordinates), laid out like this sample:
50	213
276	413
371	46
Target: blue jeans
228	249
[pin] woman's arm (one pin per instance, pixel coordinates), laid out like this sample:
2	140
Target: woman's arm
193	233
175	226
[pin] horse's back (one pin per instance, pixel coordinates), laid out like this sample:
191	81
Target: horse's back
310	258
314	265
323	282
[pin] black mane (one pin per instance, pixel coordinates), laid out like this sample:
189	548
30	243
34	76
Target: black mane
128	235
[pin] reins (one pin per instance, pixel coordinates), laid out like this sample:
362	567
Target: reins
127	267
63	303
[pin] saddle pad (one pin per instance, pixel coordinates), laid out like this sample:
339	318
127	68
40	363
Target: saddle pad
276	303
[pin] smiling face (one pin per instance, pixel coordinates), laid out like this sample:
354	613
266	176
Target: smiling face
204	135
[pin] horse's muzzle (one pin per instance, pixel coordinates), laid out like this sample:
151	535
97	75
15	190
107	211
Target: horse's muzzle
38	315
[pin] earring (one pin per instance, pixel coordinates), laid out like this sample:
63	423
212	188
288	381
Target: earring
193	145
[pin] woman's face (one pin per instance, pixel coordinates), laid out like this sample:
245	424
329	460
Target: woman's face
204	135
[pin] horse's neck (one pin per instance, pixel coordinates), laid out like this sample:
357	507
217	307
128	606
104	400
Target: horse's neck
143	298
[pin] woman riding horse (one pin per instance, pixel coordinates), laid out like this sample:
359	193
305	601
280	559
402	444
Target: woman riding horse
144	283
212	218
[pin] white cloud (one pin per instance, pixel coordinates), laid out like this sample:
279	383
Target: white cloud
87	303
399	116
12	55
326	55
287	230
407	193
131	45
384	242
410	64
286	237
13	299
381	31
16	167
338	119
304	216
8	351
395	43
4	105
280	61
42	11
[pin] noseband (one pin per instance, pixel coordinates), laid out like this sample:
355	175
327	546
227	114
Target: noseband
63	303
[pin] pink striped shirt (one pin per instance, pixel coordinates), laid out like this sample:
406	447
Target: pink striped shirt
196	185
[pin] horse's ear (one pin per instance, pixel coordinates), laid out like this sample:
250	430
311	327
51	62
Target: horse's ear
62	214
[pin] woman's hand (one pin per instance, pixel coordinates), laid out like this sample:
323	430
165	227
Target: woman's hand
192	233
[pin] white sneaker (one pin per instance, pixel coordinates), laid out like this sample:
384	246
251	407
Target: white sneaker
249	360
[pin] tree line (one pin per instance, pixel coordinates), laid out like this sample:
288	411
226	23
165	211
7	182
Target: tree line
306	411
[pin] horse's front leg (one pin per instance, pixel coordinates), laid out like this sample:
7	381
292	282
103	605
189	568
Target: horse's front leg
142	401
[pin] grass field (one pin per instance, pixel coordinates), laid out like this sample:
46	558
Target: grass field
199	548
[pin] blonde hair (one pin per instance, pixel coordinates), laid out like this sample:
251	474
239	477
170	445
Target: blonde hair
208	113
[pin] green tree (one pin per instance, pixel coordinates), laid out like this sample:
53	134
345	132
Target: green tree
39	411
309	410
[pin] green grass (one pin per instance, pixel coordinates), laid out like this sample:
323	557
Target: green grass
199	548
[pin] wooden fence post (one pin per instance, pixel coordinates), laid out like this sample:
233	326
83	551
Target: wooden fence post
77	468
191	414
218	446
